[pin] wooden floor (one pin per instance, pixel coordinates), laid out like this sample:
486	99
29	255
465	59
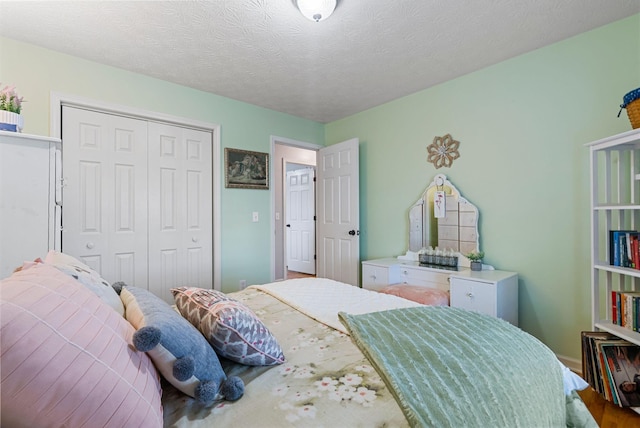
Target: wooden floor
291	275
607	414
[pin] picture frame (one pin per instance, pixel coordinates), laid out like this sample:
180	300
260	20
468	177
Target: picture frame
245	169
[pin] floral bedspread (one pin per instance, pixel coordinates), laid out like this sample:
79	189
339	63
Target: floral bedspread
325	382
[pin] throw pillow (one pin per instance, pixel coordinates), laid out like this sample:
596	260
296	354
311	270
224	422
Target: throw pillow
86	276
67	359
233	330
178	350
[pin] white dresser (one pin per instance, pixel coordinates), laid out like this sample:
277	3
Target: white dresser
490	292
30	199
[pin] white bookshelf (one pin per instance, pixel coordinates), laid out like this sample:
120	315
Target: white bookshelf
615	205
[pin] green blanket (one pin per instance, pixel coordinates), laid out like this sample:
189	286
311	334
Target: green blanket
453	368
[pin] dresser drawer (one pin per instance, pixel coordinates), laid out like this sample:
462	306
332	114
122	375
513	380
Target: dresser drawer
419	276
492	293
474	296
374	277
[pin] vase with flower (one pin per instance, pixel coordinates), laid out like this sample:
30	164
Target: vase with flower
10	109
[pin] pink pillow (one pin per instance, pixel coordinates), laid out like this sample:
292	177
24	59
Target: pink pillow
67	358
416	293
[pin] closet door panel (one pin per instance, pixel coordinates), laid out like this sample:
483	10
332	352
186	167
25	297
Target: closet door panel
180	220
104	161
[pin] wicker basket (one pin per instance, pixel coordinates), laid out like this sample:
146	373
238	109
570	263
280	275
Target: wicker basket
631	102
633	111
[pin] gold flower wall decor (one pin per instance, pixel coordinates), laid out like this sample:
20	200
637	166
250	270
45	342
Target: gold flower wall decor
443	151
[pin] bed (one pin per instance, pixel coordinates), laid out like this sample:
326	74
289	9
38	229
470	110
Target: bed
335	376
352	358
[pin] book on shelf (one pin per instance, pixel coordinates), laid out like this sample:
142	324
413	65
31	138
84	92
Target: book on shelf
624	250
590	360
623	367
612	367
625	309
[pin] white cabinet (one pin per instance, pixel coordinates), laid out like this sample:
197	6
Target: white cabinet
489	292
29	190
615	205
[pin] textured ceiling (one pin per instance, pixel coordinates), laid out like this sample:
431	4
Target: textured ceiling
265	53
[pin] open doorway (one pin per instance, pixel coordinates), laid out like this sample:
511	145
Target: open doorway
294	155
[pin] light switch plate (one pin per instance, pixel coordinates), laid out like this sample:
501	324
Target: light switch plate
255	216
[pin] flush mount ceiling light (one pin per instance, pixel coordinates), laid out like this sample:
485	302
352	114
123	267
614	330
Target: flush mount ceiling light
316	10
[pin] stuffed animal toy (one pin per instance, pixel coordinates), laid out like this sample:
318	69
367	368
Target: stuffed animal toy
179	351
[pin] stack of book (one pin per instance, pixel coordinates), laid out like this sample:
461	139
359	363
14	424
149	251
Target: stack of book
624	250
612	367
625	309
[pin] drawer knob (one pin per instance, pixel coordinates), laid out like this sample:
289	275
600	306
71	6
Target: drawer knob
90	245
469	295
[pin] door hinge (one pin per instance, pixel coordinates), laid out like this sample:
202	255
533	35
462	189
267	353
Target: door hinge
314	218
314	257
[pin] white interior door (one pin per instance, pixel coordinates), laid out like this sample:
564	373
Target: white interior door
180	204
104	161
300	226
338	212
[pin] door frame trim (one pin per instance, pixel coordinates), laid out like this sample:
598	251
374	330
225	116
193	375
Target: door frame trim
59	99
285	142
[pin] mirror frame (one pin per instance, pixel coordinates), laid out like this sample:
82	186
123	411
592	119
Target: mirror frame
422	221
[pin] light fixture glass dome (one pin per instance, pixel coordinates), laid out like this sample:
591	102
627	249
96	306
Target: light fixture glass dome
316	10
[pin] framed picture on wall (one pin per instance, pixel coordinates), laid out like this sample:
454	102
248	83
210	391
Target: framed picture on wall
245	169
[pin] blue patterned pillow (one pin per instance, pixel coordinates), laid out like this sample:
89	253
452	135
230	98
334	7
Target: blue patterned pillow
231	328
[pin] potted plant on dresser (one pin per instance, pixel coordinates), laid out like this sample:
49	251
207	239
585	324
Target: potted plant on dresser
10	108
476	259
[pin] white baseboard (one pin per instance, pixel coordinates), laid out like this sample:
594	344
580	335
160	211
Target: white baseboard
573	364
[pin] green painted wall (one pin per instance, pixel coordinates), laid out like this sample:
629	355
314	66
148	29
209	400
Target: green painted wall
246	245
522	125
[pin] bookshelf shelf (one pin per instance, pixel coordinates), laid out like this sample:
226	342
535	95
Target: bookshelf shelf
621	332
615	206
618	269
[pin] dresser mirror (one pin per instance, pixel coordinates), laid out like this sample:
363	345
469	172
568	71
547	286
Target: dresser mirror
456	229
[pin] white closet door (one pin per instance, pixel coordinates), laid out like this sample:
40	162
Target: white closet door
104	195
180	207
